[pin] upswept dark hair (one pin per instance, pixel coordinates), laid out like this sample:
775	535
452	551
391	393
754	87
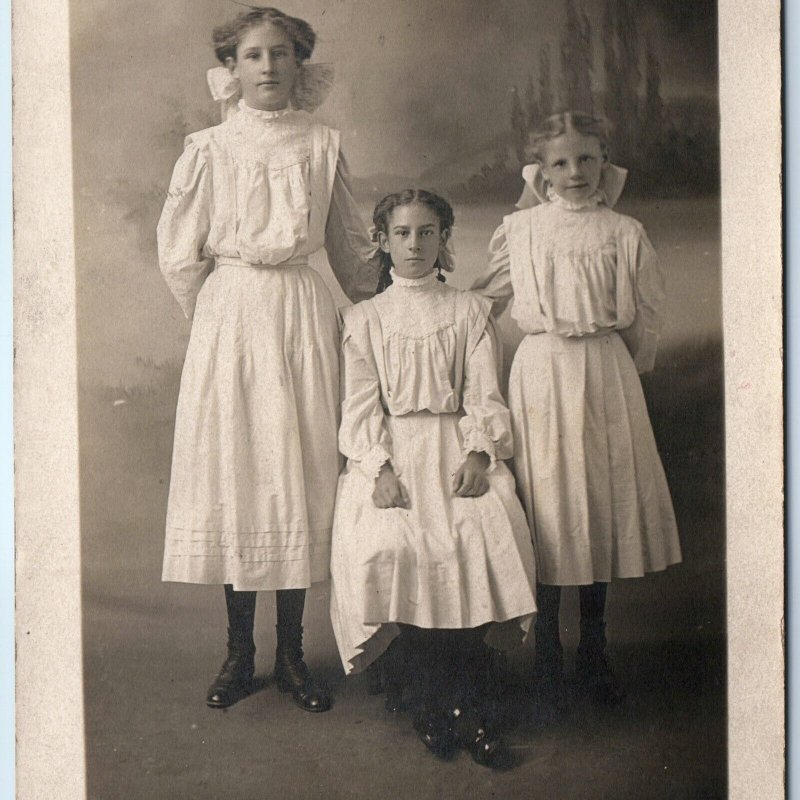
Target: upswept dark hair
383	211
558	124
227	37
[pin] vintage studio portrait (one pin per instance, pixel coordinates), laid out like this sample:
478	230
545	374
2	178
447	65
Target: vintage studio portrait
401	402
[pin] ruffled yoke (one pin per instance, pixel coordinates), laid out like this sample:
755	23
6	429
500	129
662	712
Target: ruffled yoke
262	188
420	346
577	268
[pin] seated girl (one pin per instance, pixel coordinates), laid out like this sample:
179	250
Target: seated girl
431	550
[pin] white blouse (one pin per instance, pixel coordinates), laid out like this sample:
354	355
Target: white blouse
264	187
577	271
420	346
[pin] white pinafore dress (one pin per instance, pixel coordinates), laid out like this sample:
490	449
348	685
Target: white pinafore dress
586	289
255	459
421	391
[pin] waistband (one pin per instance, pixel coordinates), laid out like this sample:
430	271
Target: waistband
572	337
295	261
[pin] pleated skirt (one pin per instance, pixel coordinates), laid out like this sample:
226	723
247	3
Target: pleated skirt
445	562
255	460
586	462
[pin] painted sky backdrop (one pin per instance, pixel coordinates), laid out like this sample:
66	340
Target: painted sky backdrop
418	81
414	77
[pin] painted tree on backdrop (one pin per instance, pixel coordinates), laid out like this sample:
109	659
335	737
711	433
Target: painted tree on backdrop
576	60
670	148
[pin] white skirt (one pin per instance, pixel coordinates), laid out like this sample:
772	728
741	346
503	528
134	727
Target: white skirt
446	562
586	462
255	461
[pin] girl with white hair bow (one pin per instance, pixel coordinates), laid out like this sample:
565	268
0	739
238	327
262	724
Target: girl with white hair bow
255	460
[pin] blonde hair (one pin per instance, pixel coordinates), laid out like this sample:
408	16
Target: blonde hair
559	124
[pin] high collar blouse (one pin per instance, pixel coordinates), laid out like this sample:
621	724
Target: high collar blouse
420	346
577	270
262	188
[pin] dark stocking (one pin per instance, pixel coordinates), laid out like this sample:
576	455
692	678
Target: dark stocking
591	666
549	654
593	602
548	667
290	604
241	616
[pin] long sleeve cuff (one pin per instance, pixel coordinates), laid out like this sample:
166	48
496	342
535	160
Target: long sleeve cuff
372	461
477	441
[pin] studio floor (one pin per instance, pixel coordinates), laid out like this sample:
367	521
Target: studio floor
149	734
151	649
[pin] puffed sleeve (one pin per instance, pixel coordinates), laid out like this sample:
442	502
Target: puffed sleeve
346	241
642	336
184	226
486	424
363	435
495	283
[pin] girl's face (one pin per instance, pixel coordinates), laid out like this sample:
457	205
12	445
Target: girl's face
266	67
573	163
413	240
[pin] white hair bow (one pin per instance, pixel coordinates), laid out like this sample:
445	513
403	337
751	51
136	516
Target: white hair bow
312	85
612	181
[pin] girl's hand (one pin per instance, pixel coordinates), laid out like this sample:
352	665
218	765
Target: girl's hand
470	480
389	492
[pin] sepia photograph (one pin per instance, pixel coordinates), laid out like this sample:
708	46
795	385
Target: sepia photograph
401	399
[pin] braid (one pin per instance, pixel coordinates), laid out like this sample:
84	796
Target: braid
383	211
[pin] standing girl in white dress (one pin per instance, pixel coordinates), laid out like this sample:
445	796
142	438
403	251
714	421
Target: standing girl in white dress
429	537
587	291
255	460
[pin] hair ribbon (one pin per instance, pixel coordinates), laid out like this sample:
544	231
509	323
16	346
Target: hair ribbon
312	85
446	259
535	191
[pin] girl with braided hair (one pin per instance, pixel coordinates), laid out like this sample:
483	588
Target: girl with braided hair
431	551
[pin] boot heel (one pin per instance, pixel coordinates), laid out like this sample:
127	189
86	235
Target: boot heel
291	675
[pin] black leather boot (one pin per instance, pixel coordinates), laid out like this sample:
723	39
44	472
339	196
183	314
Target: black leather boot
595	679
476	699
292	675
235	679
471	733
432	655
433	730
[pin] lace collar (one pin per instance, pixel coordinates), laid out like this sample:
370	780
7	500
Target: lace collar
265	115
413	283
592	201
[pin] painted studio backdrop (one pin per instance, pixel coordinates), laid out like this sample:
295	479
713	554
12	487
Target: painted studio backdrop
438	94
